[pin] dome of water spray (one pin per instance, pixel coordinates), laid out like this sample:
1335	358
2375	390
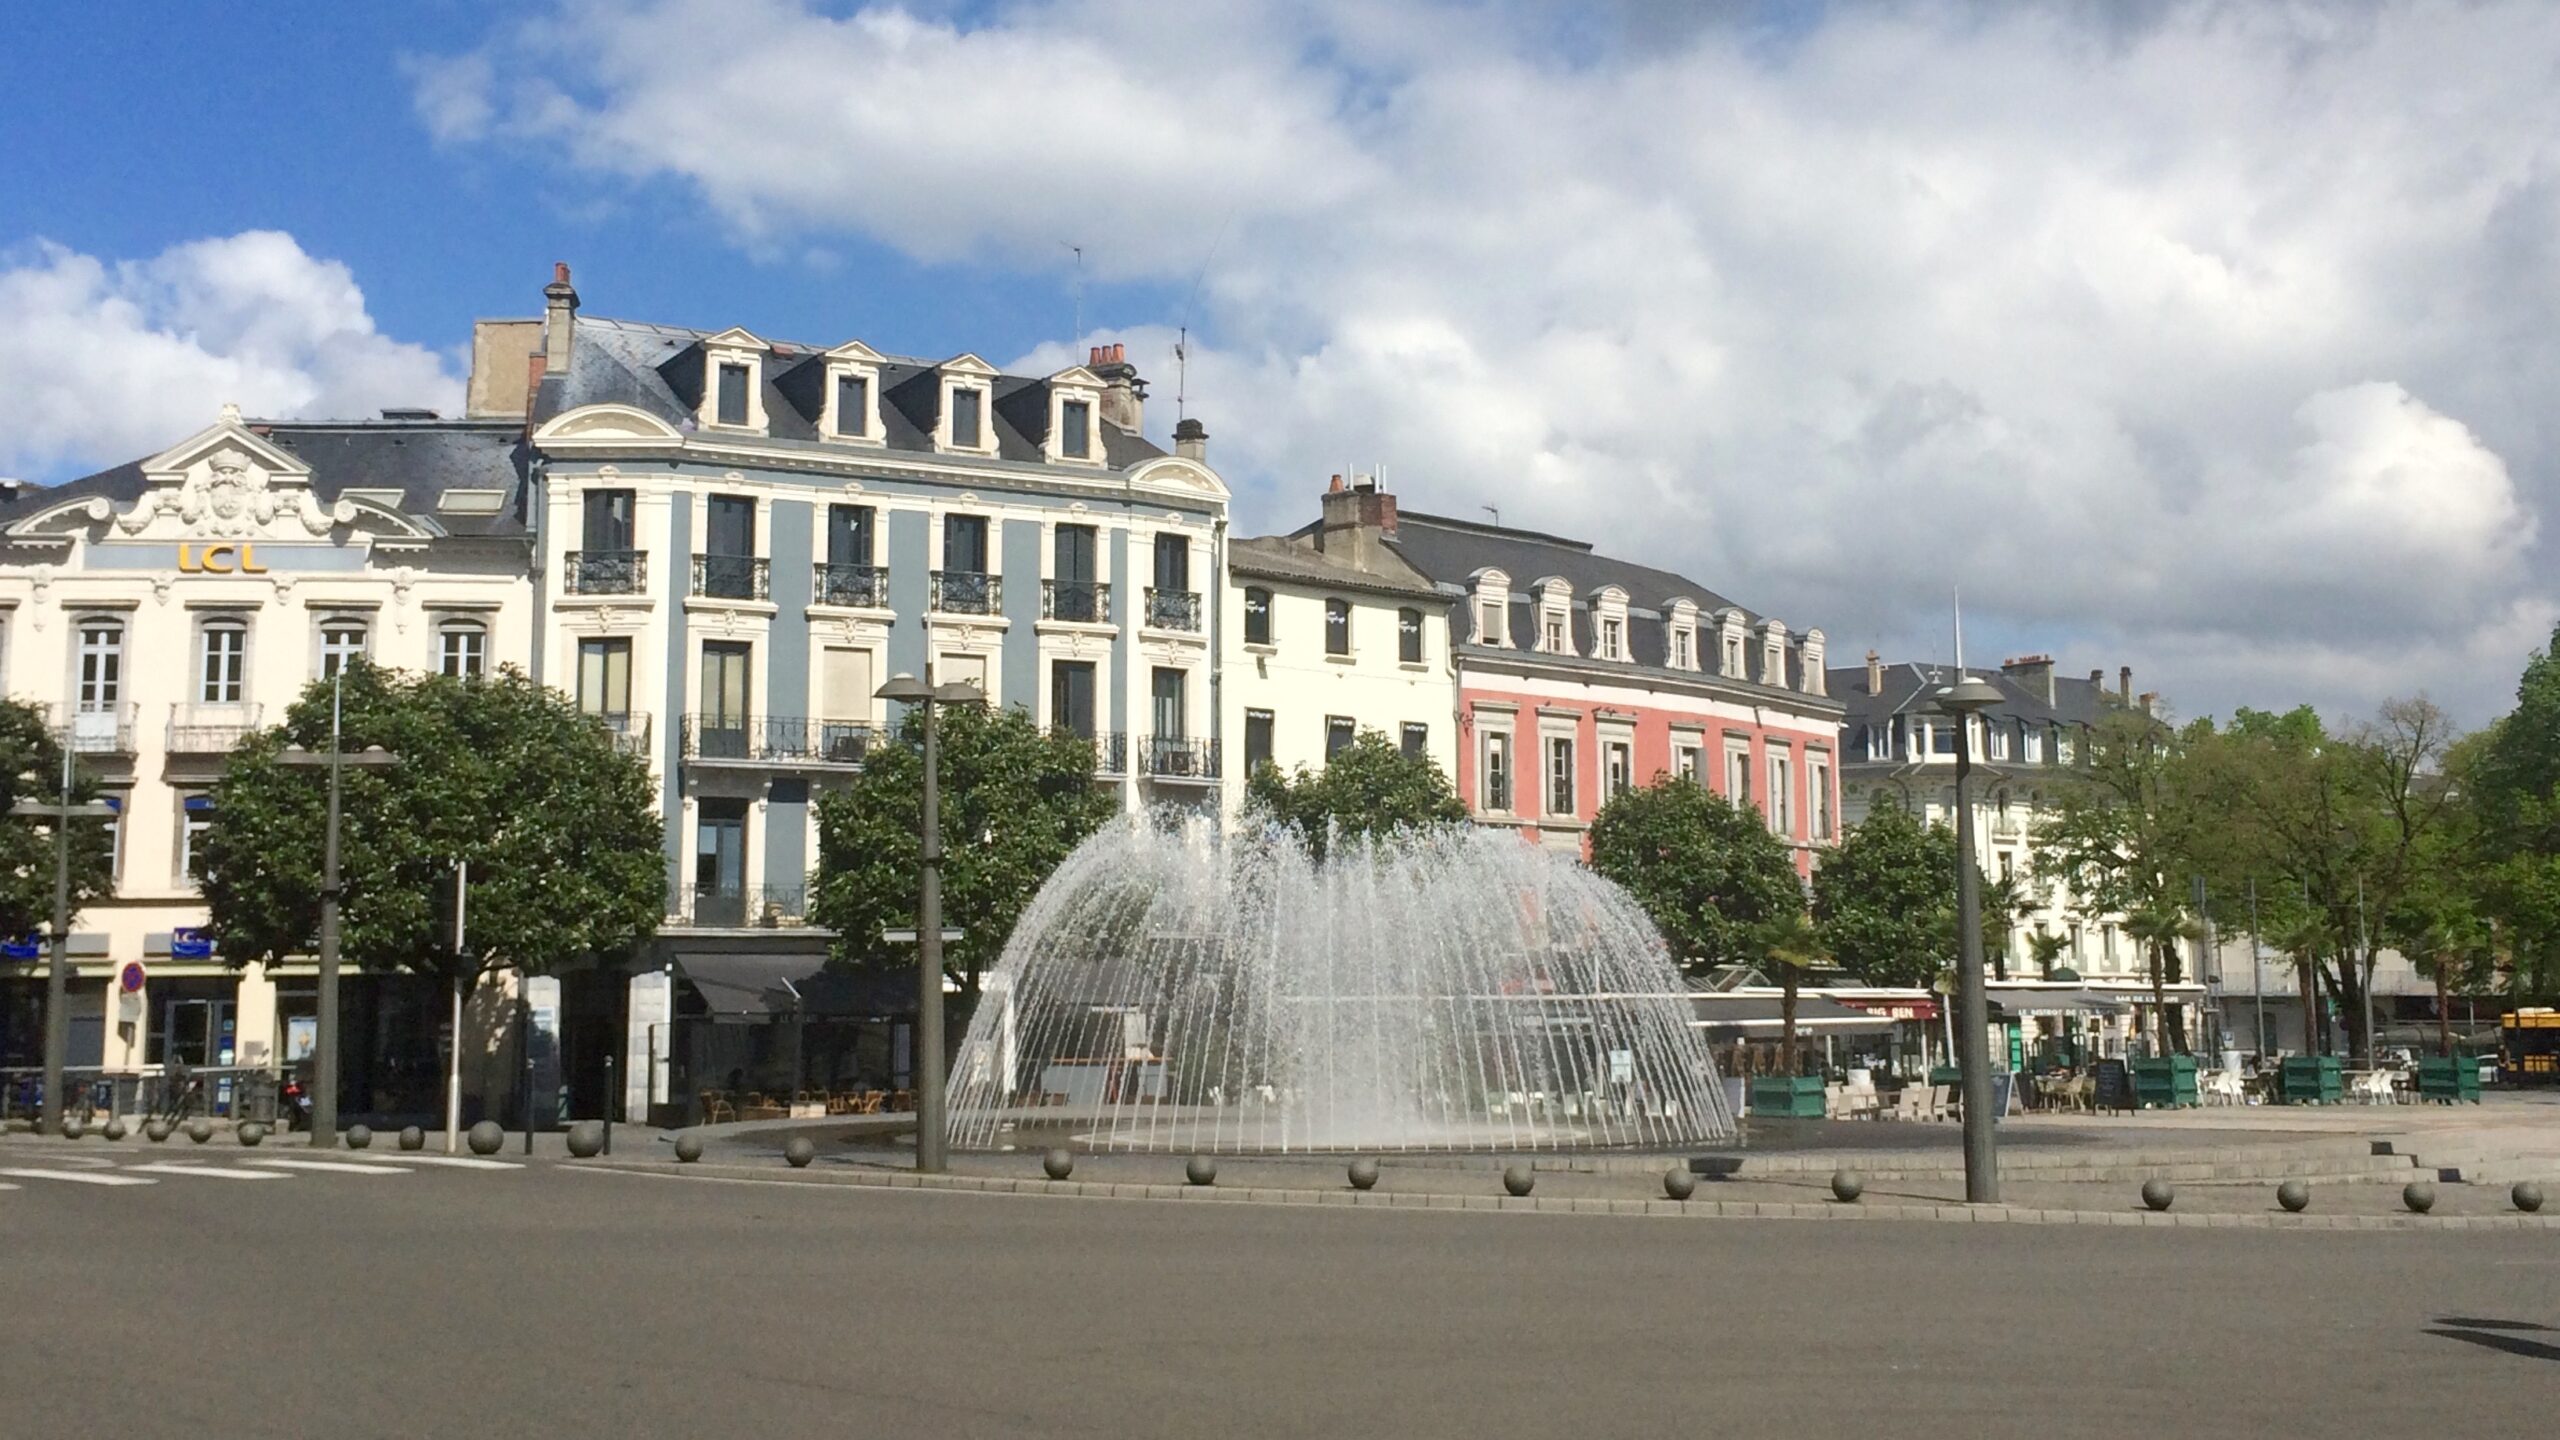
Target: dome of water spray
1172	988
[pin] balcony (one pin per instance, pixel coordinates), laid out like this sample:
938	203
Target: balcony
731	577
967	592
860	587
758	907
1086	601
629	729
605	572
210	729
784	740
104	731
1173	609
1110	748
1175	757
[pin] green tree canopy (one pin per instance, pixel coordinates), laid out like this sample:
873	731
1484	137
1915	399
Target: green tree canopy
2515	784
1014	803
31	769
1886	898
560	830
1368	788
1709	872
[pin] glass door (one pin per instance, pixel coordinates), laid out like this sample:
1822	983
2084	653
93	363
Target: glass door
721	731
720	864
1072	590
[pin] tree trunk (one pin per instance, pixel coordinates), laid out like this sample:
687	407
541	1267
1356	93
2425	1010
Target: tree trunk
2444	1011
2159	1004
1787	1021
2308	967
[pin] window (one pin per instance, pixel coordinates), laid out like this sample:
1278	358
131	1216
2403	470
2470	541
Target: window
1339	732
604	678
462	649
2061	748
1337	627
844	702
964	544
1071	697
1782	817
733	394
1689	763
967	424
1617	759
1488	622
1613	639
1942	739
195	817
101	665
607	520
1409	636
1257	740
1257	616
1170	712
1173	563
1497	770
849	534
1999	739
728	669
1554	633
1560	775
853	405
1680	641
222	672
1817	777
2031	745
1416	740
1733	655
1074	584
1737	775
115	839
342	643
1075	429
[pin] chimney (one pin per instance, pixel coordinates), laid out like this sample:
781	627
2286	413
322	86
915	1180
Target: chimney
2124	684
2150	702
1875	673
1124	395
2032	671
1356	521
559	319
1191	441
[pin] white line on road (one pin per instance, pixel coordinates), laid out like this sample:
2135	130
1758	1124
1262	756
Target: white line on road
210	1172
76	1177
458	1162
334	1167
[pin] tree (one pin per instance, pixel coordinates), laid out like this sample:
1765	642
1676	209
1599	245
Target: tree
2046	947
1792	945
1720	887
2124	835
2514	785
1886	898
2159	930
31	769
560	830
1015	802
1368	788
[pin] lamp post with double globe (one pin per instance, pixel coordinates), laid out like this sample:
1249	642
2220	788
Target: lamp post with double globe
1964	700
931	1143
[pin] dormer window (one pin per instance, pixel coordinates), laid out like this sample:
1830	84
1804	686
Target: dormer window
1731	643
853	405
733	381
1773	653
733	395
968	419
1492	607
965	422
853	393
1075	429
1555	618
1613	639
1733	656
1814	683
1609	622
1553	640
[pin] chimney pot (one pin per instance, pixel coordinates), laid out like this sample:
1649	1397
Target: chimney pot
2124	684
1191	440
1336	487
559	320
1875	673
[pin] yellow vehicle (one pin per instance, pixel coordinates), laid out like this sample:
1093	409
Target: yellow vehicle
2530	1042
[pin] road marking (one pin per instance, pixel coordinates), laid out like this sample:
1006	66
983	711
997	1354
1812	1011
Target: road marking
210	1172
76	1177
334	1167
458	1162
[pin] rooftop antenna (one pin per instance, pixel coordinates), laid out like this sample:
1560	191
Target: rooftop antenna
1959	598
1182	341
1493	510
1077	289
1181	371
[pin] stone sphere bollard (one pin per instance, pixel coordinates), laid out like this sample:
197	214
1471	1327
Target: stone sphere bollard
1846	1187
688	1148
156	1131
359	1137
1200	1170
2526	1195
1678	1183
74	1126
485	1138
115	1128
586	1139
2419	1196
1058	1163
2294	1196
199	1129
412	1138
2157	1194
1364	1173
1519	1179
250	1133
799	1150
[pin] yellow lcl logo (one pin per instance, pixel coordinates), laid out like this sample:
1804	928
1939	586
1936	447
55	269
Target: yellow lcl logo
219	560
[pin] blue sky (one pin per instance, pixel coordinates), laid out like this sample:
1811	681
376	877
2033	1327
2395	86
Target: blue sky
2211	339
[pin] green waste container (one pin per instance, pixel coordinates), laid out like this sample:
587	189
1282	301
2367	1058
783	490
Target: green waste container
1786	1097
2447	1079
2311	1080
2166	1081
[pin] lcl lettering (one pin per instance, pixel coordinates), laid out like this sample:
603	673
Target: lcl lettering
219	560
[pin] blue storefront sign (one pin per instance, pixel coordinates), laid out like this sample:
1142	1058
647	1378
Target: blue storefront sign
189	942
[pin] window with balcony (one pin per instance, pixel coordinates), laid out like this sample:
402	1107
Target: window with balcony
1171	714
1497	771
222	662
606	564
1414	740
728	568
1409	636
101	680
1560	787
1339	732
343	641
962	585
848	576
604	686
1173	604
720	731
1075	584
462	649
1071	692
1337	627
1257	616
720	863
1257	740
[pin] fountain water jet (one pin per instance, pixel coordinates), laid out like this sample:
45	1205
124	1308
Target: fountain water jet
1174	989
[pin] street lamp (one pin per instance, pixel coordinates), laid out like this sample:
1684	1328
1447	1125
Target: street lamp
324	1081
1964	700
57	1014
930	1140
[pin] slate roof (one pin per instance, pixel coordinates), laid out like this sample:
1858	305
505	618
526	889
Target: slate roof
660	369
1277	557
1910	688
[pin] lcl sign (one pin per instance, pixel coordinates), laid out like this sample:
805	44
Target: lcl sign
219	560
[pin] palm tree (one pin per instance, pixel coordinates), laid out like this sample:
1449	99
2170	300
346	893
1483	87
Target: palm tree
2046	948
2302	942
1792	945
2158	929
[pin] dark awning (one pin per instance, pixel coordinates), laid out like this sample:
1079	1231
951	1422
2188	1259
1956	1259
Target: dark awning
749	987
1758	1015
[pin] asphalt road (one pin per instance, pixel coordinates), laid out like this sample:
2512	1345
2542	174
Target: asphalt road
550	1300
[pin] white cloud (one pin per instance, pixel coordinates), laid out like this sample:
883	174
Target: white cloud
105	362
2216	339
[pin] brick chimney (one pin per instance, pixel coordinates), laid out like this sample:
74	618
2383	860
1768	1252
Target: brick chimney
2032	671
1875	673
2124	684
1124	395
1358	518
1191	440
559	319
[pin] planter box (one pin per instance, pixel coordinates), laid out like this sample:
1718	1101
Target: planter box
1786	1097
2447	1080
2166	1081
2311	1080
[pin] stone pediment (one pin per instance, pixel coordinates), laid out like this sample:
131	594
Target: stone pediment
227	483
1177	475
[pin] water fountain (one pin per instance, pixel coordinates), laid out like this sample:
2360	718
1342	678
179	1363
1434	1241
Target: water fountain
1175	989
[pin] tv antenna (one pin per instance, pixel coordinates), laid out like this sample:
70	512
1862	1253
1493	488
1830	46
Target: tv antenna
1076	288
1493	510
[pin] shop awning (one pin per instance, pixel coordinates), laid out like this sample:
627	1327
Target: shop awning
1757	1016
748	986
2052	1000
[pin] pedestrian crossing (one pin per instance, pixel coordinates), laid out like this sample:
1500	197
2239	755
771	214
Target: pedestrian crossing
95	1171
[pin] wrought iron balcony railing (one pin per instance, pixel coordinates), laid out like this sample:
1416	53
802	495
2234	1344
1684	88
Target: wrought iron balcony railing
210	729
739	907
731	577
1175	757
1173	609
1110	748
605	572
1087	600
105	730
776	739
862	587
629	729
967	592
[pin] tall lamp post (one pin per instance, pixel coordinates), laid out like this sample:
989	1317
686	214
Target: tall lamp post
57	1004
931	1142
1965	699
324	1079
